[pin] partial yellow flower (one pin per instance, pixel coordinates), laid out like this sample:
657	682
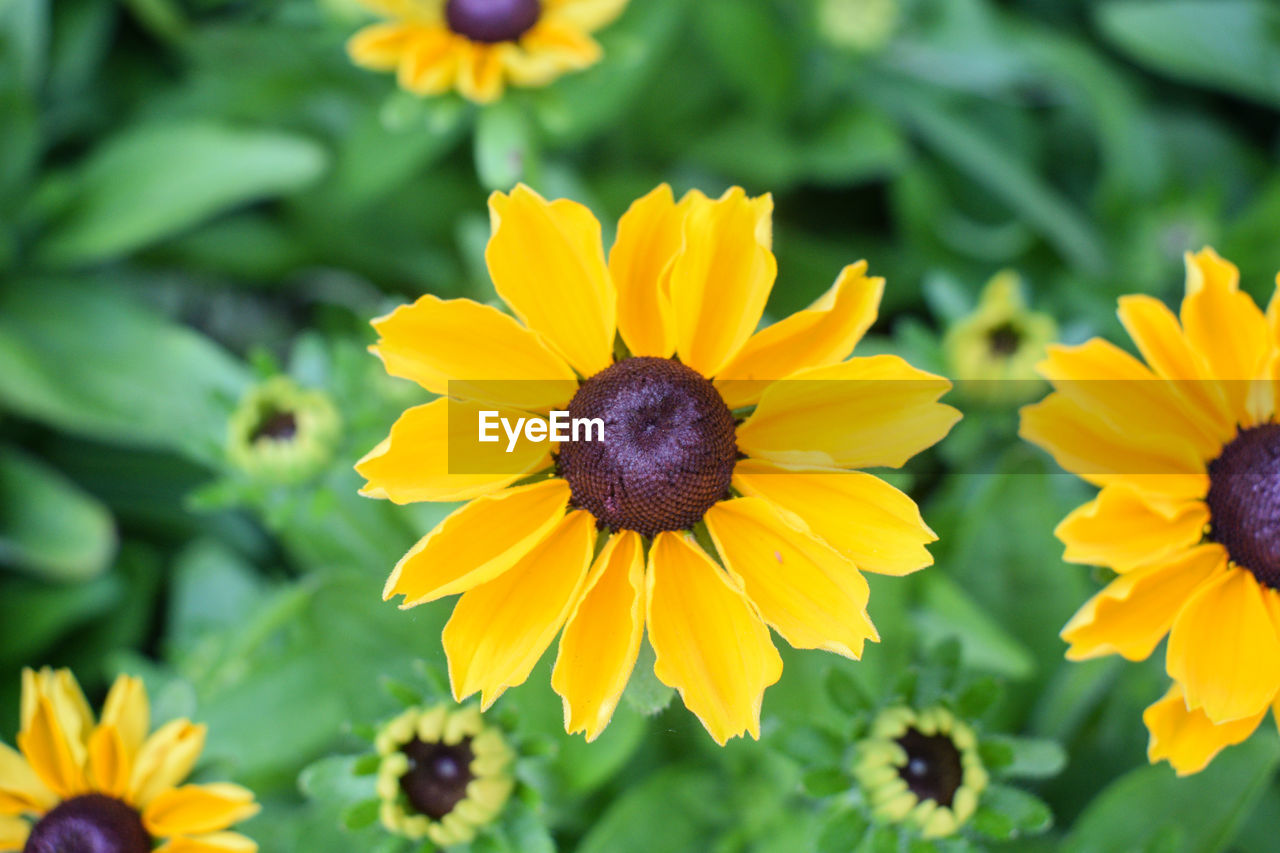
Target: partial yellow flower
109	785
995	349
719	503
478	47
1186	450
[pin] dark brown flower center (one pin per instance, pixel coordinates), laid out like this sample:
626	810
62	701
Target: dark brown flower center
668	451
933	770
1004	339
275	425
92	823
1244	501
492	21
437	777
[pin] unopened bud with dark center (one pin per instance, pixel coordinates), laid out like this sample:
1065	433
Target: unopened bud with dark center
668	452
93	823
281	432
492	21
1244	501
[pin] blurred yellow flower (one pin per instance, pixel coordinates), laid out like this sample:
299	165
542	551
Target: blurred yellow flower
684	286
81	785
997	346
443	774
1186	450
479	46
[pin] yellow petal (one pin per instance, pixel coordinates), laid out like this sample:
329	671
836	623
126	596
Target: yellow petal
649	235
860	515
586	15
57	760
1121	528
434	454
547	262
469	351
1224	325
20	788
499	629
1133	613
567	46
1117	389
859	413
70	709
478	542
808	592
128	710
1159	338
198	809
1223	649
110	763
165	760
721	277
824	334
1089	448
432	62
1188	739
709	641
379	47
480	72
214	842
13	833
601	639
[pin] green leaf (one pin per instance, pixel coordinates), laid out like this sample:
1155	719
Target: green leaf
985	644
505	150
1025	813
644	691
845	693
678	809
826	782
1140	806
155	181
361	815
48	526
1232	45
1028	758
842	833
334	780
46	612
133	379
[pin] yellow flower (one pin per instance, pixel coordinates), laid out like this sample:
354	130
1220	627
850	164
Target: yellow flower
444	774
998	345
684	286
921	768
81	785
282	433
1186	450
478	46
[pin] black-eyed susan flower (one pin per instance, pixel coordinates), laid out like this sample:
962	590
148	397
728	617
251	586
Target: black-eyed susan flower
921	768
745	437
478	47
997	346
443	774
107	785
281	432
1186	450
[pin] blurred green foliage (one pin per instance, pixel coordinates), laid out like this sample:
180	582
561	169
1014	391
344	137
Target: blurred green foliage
197	195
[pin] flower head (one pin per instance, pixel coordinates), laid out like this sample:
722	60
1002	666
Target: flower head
108	785
282	433
443	774
999	344
1185	449
718	502
479	46
921	768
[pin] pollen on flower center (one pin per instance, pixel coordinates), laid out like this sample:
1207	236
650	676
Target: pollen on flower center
492	21
278	426
438	775
92	823
933	770
668	452
1244	501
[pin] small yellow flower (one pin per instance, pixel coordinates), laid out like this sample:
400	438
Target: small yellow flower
702	439
81	785
282	433
921	768
998	345
444	774
1186	450
479	46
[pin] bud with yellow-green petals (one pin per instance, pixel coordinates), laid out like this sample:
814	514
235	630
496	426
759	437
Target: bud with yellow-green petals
281	432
